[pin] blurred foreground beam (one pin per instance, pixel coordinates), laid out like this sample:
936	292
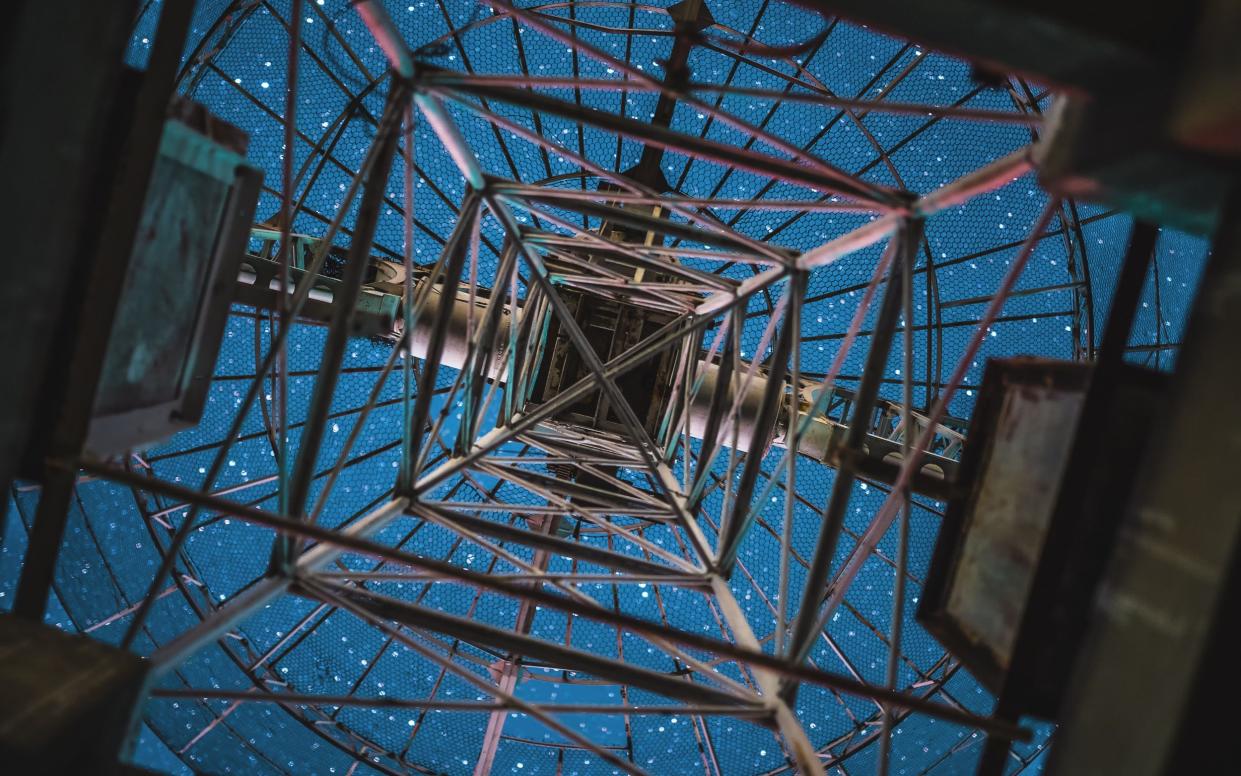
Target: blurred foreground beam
1166	613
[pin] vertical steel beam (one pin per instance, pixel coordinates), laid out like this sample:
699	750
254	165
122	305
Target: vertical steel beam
802	638
902	551
56	158
287	213
739	522
342	313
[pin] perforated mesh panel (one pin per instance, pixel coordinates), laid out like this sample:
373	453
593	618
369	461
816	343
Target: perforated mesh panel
237	66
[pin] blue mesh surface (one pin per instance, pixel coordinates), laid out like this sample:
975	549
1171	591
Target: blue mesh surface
113	544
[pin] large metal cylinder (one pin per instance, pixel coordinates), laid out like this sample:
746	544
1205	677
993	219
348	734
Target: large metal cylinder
747	411
818	439
457	339
457	347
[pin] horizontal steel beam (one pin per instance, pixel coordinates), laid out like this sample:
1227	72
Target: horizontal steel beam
565	547
730	156
351	543
521	645
264	591
389	702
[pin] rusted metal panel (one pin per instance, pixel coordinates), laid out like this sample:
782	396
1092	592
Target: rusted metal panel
1010	514
992	538
163	346
1049	461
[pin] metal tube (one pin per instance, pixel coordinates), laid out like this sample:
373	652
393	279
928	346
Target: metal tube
619	403
492	337
287	212
768	166
408	157
812	205
746	395
803	751
841	180
450	265
479	526
451	137
377	20
447	663
263	592
299	299
514	642
985	179
457	345
910	238
764	429
113	246
627	184
816	95
790	488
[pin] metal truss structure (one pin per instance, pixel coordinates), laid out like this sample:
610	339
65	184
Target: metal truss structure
580	414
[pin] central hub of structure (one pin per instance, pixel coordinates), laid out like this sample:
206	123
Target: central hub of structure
612	328
614	322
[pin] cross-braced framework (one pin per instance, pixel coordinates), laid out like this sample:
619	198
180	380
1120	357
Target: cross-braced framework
627	481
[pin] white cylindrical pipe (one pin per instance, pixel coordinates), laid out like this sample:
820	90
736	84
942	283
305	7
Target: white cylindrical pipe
747	411
457	339
457	348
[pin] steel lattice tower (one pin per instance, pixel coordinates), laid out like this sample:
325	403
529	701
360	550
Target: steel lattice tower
688	328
